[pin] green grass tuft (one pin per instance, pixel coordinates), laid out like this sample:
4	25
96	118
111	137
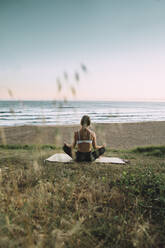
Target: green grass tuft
27	147
157	151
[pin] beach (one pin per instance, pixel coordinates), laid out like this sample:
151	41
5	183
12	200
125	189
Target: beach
114	135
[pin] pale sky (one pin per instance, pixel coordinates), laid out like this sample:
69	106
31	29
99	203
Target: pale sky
121	42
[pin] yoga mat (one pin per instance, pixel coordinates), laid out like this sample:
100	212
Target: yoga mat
64	158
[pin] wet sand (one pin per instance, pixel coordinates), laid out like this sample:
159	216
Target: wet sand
114	135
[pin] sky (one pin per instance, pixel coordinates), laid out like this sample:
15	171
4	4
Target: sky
44	43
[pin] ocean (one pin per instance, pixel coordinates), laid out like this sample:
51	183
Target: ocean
17	113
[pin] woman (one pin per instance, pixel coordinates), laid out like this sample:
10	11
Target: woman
85	139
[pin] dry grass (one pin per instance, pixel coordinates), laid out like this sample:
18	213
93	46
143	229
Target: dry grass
81	205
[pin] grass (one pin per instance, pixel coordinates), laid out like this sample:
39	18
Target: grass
158	151
27	147
81	205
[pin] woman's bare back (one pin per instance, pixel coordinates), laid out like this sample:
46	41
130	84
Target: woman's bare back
84	139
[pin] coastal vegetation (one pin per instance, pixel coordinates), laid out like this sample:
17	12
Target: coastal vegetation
81	205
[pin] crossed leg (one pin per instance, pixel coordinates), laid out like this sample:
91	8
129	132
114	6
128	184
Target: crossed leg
97	153
67	150
94	155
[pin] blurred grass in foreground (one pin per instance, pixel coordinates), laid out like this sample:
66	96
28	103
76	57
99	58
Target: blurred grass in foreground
80	205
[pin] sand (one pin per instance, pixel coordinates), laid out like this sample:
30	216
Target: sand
114	135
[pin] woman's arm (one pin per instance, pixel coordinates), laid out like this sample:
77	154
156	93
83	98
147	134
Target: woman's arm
74	140
94	143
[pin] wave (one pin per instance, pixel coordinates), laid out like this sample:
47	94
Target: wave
26	119
71	112
9	112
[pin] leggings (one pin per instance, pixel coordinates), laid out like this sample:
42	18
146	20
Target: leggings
85	156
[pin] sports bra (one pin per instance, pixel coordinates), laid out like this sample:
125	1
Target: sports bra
79	141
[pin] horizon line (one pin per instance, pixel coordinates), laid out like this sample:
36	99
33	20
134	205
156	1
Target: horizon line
90	100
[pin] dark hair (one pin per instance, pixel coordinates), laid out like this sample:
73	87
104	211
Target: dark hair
85	120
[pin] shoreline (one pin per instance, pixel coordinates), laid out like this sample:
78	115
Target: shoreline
114	135
77	125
